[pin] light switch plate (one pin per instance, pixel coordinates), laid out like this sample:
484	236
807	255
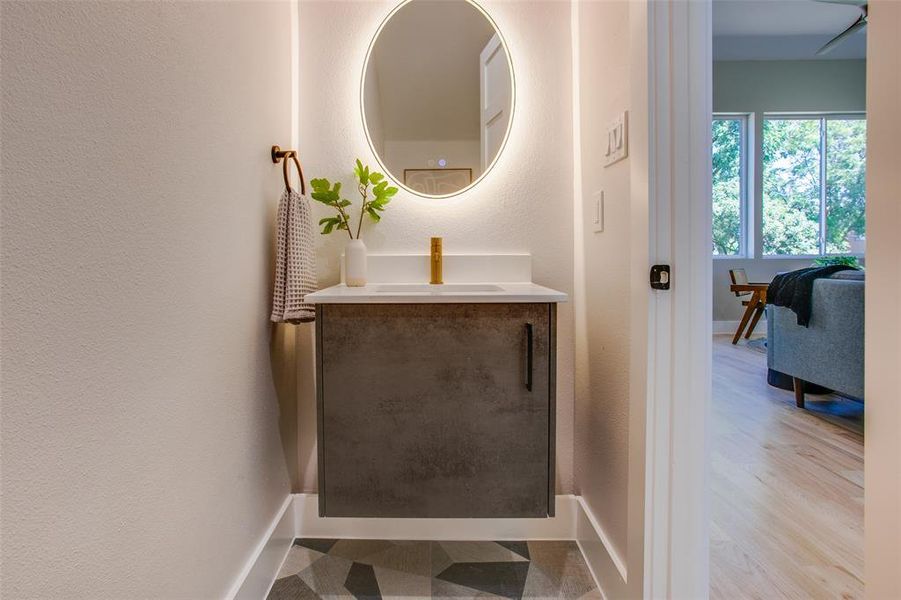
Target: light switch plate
597	216
617	139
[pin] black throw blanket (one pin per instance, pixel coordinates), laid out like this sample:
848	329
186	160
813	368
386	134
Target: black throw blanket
794	289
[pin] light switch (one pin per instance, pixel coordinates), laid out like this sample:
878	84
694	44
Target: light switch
597	221
617	139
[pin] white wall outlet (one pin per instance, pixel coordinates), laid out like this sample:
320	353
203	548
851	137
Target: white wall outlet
617	139
597	217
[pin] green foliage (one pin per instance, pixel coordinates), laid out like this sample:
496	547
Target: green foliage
330	195
368	182
726	186
846	157
791	185
826	261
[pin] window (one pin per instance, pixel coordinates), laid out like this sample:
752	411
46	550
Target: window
729	137
814	197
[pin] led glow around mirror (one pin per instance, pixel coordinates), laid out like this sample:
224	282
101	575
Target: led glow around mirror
437	95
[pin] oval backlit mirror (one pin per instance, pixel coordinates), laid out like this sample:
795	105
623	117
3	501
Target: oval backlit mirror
437	95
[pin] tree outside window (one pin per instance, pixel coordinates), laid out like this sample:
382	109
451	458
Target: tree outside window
846	192
813	185
814	196
728	185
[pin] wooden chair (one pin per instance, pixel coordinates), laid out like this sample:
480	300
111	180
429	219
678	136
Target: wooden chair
754	306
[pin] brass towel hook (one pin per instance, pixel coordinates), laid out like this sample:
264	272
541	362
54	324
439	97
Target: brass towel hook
283	155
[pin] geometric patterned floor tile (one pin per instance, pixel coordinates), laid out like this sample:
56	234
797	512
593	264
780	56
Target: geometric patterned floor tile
506	579
320	545
397	584
327	575
439	559
291	588
298	559
480	552
357	550
413	558
361	582
540	585
521	548
375	569
564	566
445	590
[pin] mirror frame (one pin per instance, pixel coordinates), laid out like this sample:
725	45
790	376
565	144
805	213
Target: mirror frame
503	145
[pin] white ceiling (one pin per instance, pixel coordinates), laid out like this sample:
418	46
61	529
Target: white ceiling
427	58
782	29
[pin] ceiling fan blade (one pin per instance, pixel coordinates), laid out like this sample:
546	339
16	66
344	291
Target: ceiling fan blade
853	28
857	3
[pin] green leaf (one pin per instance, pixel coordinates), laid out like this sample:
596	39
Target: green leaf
345	203
361	173
328	224
373	214
328	198
321	185
376	177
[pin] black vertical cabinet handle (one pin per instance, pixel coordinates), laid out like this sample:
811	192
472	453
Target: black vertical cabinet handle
529	353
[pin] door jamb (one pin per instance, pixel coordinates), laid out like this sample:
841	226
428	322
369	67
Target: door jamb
677	496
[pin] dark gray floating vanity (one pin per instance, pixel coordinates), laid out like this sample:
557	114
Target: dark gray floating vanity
436	409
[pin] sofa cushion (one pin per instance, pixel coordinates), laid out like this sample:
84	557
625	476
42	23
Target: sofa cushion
852	275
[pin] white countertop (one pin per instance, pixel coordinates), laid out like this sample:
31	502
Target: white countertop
423	293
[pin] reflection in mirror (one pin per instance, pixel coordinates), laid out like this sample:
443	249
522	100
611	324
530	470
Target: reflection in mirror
437	95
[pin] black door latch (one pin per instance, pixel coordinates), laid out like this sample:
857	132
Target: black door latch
660	277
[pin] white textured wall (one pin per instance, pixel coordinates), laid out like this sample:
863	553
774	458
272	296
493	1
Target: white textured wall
611	288
525	203
603	433
140	440
883	324
760	87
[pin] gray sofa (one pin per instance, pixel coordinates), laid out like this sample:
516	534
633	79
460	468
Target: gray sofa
829	352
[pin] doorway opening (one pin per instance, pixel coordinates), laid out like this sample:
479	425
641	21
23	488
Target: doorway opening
788	150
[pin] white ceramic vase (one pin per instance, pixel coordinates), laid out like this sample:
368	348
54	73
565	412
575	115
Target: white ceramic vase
355	263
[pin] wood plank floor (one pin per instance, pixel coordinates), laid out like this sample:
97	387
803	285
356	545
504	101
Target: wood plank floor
787	487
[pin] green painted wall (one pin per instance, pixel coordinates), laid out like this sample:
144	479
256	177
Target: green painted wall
789	85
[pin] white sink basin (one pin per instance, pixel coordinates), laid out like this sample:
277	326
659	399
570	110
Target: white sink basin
446	288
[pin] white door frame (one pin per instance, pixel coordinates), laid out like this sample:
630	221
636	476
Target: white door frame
680	328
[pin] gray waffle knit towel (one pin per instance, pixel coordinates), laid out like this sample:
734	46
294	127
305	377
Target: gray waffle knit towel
295	261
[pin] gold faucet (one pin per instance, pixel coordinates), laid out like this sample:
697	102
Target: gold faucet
435	261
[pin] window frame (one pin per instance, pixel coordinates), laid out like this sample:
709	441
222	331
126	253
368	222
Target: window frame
823	118
745	243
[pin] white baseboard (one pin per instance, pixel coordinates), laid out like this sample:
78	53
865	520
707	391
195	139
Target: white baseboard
310	524
299	517
601	556
731	326
258	575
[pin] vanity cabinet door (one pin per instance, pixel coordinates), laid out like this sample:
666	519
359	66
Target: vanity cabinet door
425	410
